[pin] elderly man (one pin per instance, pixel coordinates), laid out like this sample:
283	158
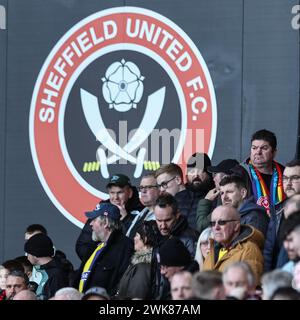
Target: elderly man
123	195
239	281
108	260
25	295
234	242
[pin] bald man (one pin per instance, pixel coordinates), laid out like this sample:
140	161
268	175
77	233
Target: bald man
234	242
25	295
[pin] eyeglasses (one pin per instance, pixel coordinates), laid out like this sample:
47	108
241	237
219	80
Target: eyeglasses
220	222
146	188
164	184
291	178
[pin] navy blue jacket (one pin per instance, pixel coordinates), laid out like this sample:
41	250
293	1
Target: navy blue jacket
255	215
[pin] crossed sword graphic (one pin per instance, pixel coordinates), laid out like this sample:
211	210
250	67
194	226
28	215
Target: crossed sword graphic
93	117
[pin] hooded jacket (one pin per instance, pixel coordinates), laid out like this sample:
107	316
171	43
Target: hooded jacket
187	235
254	215
247	247
136	281
55	277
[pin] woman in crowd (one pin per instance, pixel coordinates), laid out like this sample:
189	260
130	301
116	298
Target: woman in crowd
137	279
203	246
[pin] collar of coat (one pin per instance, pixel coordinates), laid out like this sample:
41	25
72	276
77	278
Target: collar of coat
247	233
144	256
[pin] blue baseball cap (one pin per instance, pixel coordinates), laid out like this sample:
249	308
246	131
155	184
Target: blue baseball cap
105	209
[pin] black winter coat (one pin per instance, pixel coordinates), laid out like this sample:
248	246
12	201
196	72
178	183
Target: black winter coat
110	264
187	235
85	243
57	279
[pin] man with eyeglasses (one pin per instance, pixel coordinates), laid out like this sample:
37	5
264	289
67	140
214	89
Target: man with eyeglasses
233	242
170	179
149	193
274	253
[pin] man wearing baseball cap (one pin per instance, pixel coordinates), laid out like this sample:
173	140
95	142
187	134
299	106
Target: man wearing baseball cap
108	259
121	192
125	197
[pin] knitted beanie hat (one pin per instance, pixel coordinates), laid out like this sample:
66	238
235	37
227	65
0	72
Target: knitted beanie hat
39	245
174	253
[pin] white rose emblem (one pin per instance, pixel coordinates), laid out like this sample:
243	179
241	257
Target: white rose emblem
122	85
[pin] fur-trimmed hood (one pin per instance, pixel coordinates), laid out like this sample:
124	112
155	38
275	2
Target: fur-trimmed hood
144	256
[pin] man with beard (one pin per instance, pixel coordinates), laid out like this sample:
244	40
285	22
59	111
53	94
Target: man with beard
234	194
121	194
170	179
105	264
198	179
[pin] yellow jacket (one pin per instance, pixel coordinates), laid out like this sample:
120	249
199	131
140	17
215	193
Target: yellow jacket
247	247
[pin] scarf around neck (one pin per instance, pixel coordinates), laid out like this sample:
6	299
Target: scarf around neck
263	196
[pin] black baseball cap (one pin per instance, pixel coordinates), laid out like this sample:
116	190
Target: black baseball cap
119	180
223	166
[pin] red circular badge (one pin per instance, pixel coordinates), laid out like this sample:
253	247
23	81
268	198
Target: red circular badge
123	28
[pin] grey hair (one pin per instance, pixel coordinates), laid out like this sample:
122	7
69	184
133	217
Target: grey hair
69	293
274	280
243	266
112	224
205	235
